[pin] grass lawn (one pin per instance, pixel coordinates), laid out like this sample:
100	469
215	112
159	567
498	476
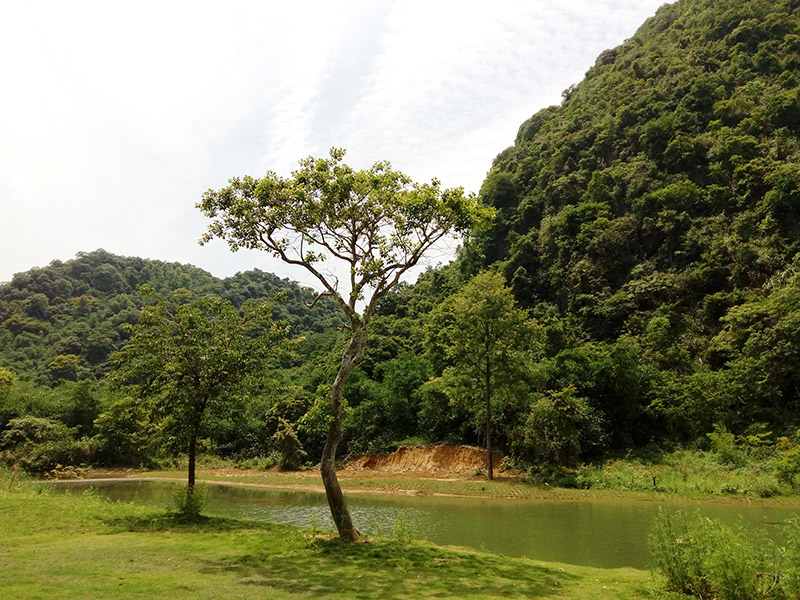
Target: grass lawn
78	546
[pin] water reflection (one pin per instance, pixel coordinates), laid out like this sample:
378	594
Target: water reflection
601	533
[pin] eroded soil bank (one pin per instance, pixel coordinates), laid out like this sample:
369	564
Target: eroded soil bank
427	461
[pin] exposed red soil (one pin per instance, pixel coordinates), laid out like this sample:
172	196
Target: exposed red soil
421	461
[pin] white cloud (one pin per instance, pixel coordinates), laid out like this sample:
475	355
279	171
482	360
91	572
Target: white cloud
116	116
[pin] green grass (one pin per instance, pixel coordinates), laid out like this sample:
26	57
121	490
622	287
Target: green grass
79	546
686	473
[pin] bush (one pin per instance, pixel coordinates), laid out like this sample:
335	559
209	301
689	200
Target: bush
561	427
39	445
125	435
787	465
705	558
723	443
290	450
189	503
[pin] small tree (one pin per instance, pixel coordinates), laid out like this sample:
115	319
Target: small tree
370	226
7	380
485	340
187	360
290	450
560	427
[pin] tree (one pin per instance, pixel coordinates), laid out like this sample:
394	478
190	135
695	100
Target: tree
484	339
560	427
65	366
188	360
7	380
372	225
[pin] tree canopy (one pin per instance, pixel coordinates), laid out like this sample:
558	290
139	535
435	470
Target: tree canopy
489	347
376	224
189	358
67	318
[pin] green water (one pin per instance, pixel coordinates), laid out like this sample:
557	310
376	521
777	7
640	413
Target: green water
600	533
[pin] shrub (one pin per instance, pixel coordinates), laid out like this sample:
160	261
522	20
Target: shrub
290	450
189	503
39	445
705	558
723	443
787	465
561	427
124	435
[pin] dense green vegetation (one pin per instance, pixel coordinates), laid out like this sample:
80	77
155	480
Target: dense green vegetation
705	558
630	319
653	217
62	322
649	225
646	228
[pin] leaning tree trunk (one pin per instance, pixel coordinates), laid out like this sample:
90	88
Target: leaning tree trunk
488	393
339	511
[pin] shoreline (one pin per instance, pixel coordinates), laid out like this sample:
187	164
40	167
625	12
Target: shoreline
403	484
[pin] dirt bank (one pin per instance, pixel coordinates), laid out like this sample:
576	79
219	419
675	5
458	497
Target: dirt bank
422	461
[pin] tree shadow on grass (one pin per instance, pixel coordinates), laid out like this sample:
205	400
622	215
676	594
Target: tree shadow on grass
389	569
176	522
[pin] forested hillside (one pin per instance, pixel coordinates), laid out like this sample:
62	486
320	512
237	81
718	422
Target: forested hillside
647	231
61	322
649	223
60	325
657	213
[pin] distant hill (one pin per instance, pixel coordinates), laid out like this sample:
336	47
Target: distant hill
669	177
656	214
62	321
667	180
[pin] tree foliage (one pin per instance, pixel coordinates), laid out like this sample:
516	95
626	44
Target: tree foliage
561	428
368	227
189	360
488	347
64	321
654	211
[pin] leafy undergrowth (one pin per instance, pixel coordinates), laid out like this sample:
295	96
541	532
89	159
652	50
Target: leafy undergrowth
79	546
688	473
708	559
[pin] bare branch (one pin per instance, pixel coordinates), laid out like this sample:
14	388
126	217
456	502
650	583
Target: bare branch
270	243
313	303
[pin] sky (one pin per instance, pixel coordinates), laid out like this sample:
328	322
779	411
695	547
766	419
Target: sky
115	117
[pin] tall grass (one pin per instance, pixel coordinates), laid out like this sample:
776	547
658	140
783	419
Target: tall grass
690	473
707	559
12	480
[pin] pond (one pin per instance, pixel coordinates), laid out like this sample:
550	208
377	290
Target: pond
593	532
